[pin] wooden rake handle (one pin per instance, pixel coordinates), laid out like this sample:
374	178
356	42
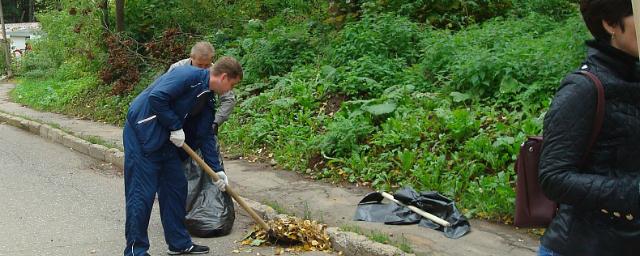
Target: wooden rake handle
229	190
417	210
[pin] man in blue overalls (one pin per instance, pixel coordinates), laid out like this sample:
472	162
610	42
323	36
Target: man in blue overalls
178	106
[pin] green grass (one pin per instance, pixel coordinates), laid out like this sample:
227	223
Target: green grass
51	94
82	98
403	245
277	207
100	141
307	211
379	237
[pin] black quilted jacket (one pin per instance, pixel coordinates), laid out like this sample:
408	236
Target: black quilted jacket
599	210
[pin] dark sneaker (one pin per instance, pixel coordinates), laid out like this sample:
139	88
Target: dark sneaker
194	249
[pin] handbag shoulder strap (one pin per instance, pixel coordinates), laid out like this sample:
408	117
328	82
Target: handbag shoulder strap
597	124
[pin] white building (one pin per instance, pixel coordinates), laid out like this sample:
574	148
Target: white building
19	33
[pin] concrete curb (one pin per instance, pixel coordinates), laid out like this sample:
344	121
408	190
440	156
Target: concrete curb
347	242
97	151
355	244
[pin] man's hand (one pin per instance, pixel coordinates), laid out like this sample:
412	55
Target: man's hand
214	126
222	182
177	138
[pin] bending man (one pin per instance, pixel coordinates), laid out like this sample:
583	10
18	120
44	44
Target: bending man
178	106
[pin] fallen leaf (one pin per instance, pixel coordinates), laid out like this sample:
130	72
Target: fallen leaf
257	242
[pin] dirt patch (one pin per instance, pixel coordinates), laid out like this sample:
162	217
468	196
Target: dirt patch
107	169
332	105
316	162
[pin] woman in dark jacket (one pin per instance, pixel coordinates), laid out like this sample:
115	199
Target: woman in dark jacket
598	191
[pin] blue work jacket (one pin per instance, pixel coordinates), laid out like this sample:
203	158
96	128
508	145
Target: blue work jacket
168	105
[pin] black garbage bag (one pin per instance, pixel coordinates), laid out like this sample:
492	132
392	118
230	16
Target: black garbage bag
371	209
210	212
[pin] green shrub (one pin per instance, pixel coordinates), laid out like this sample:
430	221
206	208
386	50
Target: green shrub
557	9
367	76
344	135
386	35
515	66
449	14
276	52
198	18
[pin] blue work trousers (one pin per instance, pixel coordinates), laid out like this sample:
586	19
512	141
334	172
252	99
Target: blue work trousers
145	175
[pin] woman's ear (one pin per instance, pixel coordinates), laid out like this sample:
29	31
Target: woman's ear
609	28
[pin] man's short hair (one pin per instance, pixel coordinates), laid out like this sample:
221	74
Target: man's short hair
227	65
611	11
203	49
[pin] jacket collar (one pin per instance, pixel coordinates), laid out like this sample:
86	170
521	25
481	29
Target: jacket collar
617	61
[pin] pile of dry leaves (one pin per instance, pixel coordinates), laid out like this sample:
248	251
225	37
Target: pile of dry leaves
298	234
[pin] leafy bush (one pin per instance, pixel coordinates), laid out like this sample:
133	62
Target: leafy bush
276	52
36	65
344	135
59	42
386	35
449	14
121	70
557	9
367	76
488	61
152	17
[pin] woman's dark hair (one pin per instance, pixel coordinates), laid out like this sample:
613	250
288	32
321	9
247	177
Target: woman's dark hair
611	11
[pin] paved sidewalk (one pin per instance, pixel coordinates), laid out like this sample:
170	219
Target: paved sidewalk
334	205
80	128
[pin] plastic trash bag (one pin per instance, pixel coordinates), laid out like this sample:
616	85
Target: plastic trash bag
210	212
371	209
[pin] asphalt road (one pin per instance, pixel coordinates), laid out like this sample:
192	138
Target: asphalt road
54	201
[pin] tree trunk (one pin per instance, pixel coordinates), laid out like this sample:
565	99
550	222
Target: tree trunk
32	8
119	15
5	42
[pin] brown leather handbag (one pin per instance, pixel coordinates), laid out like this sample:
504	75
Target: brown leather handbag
533	208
